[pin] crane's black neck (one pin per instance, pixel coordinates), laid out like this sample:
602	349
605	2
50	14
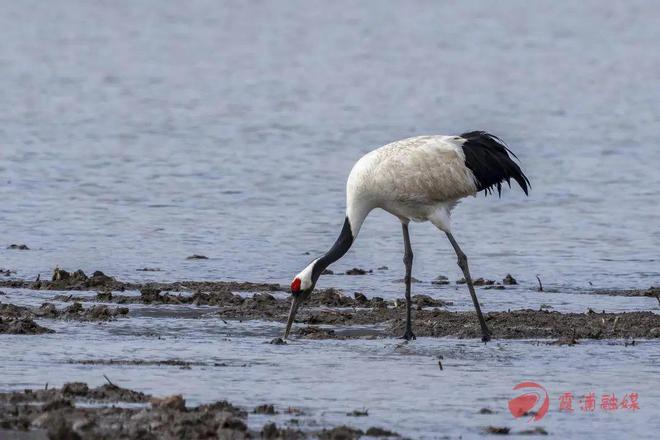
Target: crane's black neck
341	246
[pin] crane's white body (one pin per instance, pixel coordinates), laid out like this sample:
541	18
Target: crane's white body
419	179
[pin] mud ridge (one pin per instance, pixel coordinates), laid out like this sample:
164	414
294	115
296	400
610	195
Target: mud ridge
78	280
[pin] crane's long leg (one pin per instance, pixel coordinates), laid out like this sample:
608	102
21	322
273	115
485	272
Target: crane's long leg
463	264
408	260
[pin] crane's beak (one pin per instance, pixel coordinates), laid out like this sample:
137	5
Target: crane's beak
295	303
296	300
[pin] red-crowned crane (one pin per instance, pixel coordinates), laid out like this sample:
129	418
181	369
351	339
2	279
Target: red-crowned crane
420	179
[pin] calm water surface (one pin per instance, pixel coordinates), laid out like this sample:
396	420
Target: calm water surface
135	134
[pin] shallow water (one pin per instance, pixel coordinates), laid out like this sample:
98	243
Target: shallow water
135	134
400	384
157	132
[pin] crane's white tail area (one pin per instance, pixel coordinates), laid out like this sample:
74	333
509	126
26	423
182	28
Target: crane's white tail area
487	156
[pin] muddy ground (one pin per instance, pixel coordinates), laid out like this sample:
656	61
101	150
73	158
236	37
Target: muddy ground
20	320
109	412
78	280
352	316
77	412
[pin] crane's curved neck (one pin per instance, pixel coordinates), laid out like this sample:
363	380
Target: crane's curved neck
352	224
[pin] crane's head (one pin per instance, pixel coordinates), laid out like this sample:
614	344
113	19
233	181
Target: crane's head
301	288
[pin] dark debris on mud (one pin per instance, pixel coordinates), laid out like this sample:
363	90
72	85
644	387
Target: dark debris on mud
57	415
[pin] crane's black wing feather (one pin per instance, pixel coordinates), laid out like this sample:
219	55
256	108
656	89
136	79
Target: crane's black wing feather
487	156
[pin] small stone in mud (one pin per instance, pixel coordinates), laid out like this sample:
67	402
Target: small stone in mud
60	274
360	297
340	433
357	271
477	282
175	402
197	257
327	272
502	430
440	280
496	287
485	411
375	431
483	282
20	247
312	332
427	301
412	280
570	341
148	269
533	431
75	389
509	280
266	408
358	413
383	268
98	278
277	341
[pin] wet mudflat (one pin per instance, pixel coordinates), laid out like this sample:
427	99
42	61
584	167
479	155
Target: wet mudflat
325	307
77	411
343	374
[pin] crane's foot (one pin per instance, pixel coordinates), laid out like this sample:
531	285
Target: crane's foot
408	335
485	335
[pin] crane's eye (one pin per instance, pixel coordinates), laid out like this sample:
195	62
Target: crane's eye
295	285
